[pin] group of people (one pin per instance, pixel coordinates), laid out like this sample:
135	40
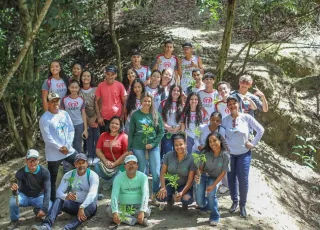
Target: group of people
167	121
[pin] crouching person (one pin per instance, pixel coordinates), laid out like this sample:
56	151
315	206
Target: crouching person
31	188
76	195
130	190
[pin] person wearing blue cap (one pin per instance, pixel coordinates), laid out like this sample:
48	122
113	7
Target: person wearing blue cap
130	188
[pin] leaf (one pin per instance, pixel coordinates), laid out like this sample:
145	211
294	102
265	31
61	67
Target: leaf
312	148
300	138
297	147
295	153
309	165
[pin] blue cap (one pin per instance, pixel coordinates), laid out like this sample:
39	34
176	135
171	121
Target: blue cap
80	156
130	158
111	68
232	97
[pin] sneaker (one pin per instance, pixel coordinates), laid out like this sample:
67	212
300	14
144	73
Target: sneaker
213	223
95	160
106	186
35	227
243	212
162	205
223	189
145	222
90	161
13	225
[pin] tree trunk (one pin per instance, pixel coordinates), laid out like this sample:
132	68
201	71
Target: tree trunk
226	40
111	13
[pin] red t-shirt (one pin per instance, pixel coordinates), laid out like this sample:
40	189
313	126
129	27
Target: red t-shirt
119	146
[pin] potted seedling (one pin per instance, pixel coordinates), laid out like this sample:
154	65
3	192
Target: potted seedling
197	132
173	181
199	159
125	212
146	131
73	184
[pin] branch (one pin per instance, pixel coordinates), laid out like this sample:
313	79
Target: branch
25	48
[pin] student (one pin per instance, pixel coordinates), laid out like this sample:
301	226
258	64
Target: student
87	92
144	72
154	88
209	96
166	82
193	116
211	173
171	111
167	60
75	106
56	82
32	188
77	198
129	76
111	97
76	71
177	162
130	188
134	101
188	63
224	89
198	84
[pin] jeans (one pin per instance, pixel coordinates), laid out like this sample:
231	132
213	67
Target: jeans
103	175
77	141
92	141
190	143
24	201
71	207
240	166
184	200
154	164
106	126
53	167
211	202
166	145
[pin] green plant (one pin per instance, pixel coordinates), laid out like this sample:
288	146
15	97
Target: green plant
197	132
173	180
198	160
146	131
305	151
125	212
73	183
192	83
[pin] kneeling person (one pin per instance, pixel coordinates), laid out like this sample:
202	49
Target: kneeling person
76	195
130	189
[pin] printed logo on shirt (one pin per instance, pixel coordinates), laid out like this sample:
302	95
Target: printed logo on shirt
192	117
107	143
73	103
167	64
60	85
227	111
141	75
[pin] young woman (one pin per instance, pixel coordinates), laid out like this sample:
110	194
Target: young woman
111	150
154	88
224	89
238	126
171	110
56	82
76	71
87	92
177	162
75	106
133	102
145	134
130	75
193	116
211	173
166	81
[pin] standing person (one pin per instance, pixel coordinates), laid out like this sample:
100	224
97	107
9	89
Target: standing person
76	71
56	82
130	188
193	116
224	89
128	78
166	82
76	195
167	60
111	149
57	132
198	83
188	63
145	134
111	98
155	89
211	173
134	101
171	111
238	126
209	96
144	72
75	107
32	189
177	162
87	92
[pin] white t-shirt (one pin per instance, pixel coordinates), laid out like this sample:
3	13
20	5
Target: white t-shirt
56	86
190	129
156	96
187	72
222	108
171	114
208	100
74	107
143	73
165	63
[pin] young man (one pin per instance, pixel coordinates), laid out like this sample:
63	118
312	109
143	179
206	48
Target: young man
57	132
130	188
32	189
248	101
167	60
111	97
209	96
187	64
76	195
144	72
196	85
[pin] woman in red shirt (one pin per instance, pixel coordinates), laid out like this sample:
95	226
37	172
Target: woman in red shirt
111	149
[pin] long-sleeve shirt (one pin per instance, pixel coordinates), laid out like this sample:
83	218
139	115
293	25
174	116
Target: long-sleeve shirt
137	137
238	132
130	191
86	192
57	130
35	184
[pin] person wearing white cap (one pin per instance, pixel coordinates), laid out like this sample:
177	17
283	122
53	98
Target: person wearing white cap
31	187
130	188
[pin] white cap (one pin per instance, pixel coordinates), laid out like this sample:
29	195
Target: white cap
32	153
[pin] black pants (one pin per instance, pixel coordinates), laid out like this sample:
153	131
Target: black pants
105	127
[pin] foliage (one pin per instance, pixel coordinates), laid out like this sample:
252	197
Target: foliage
73	183
197	132
146	131
214	7
173	180
305	151
199	159
126	211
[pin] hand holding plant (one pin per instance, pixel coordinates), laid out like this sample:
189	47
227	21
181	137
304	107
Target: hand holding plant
199	159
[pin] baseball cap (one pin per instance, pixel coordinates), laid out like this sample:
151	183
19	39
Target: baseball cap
186	44
32	153
136	53
209	75
232	97
130	158
52	96
111	68
80	156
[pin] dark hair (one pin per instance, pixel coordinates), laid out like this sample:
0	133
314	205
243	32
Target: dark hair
196	70
125	80
168	103
224	82
187	110
179	136
209	75
223	143
77	63
160	89
92	79
167	42
121	124
131	102
216	114
62	75
164	70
